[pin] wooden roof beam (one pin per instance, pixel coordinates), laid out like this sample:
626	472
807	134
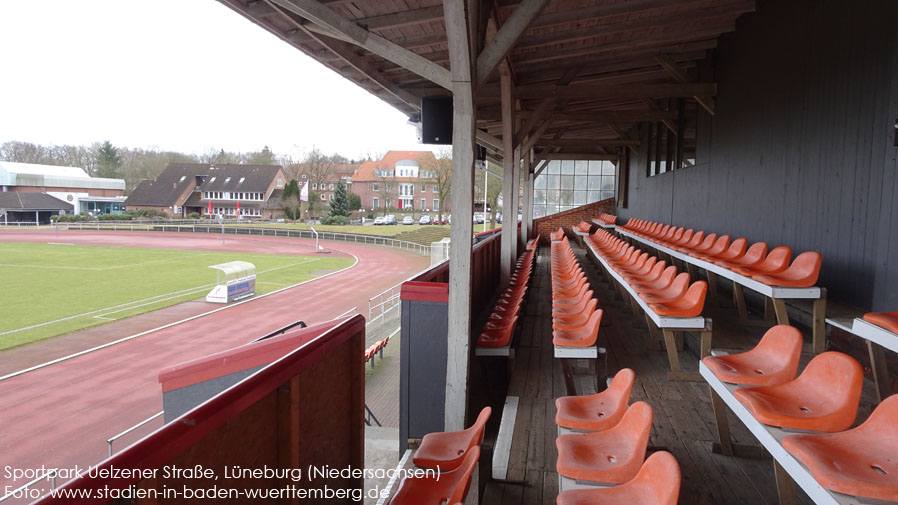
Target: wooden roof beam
575	157
325	17
539	91
586	143
496	50
612	116
707	102
402	18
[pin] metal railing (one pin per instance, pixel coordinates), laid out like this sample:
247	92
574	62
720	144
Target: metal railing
146	421
414	247
380	304
20	491
370	420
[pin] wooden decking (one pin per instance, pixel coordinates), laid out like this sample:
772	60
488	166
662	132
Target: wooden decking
684	421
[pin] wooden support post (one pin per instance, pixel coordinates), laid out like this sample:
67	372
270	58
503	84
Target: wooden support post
509	185
653	330
739	297
671	345
779	306
723	424
693	274
568	372
819	324
879	369
785	486
712	286
527	204
463	138
768	310
705	343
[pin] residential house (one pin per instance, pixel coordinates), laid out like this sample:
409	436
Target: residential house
401	179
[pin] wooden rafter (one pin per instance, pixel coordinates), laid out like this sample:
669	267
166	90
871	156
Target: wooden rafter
707	102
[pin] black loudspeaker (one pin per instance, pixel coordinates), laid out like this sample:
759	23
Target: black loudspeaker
436	120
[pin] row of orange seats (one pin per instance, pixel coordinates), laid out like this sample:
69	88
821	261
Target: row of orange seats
575	318
665	291
499	327
374	348
609	448
583	227
454	456
824	398
885	320
607	218
771	268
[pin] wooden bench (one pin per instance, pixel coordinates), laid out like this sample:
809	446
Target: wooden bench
878	338
776	294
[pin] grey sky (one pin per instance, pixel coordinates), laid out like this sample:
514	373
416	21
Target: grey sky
185	75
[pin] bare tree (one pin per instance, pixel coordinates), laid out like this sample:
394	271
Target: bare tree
441	168
387	187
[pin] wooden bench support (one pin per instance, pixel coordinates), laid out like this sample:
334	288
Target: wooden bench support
879	369
673	339
819	323
785	486
739	299
712	287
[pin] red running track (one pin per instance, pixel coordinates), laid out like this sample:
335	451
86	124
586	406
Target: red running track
61	415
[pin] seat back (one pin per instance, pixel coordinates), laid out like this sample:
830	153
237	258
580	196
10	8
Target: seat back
636	426
754	254
622	383
707	243
695	241
659	478
720	245
777	260
676	289
666	277
687	236
837	377
463	476
477	429
805	267
782	345
737	248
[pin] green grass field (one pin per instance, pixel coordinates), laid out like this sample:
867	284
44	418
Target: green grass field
56	289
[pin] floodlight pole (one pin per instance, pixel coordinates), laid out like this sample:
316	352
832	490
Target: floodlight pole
486	184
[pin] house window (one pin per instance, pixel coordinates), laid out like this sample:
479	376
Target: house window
376	203
330	197
389	202
212	179
331	186
424	188
241	180
323	197
227	180
436	204
435	189
423	204
280	182
182	178
375	187
314	185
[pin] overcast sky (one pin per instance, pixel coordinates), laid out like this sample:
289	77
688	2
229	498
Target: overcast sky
184	75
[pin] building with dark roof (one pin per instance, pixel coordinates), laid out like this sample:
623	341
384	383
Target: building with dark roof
30	207
211	189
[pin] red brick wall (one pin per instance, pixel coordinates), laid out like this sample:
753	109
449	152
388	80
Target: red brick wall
568	218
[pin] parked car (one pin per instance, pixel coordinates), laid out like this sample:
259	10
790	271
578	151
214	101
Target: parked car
408	220
478	218
389	219
425	219
445	219
379	220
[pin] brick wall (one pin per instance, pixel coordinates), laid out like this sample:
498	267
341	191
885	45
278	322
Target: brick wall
568	218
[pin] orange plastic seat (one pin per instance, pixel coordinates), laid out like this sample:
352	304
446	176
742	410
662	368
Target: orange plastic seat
683	240
802	273
861	462
657	483
689	305
556	235
445	487
694	242
823	398
575	319
613	456
735	250
599	411
773	361
580	336
447	450
647	275
718	246
499	337
576	305
674	291
887	320
775	262
753	256
662	281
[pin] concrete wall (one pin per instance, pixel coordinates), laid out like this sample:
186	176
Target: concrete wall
800	152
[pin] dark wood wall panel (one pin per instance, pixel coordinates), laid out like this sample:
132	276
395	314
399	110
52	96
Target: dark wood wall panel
800	152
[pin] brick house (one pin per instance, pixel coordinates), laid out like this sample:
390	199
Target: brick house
232	190
401	179
324	186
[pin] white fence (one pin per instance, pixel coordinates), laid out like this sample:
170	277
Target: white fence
423	250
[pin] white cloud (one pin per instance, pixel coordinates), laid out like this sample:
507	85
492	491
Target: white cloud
186	75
